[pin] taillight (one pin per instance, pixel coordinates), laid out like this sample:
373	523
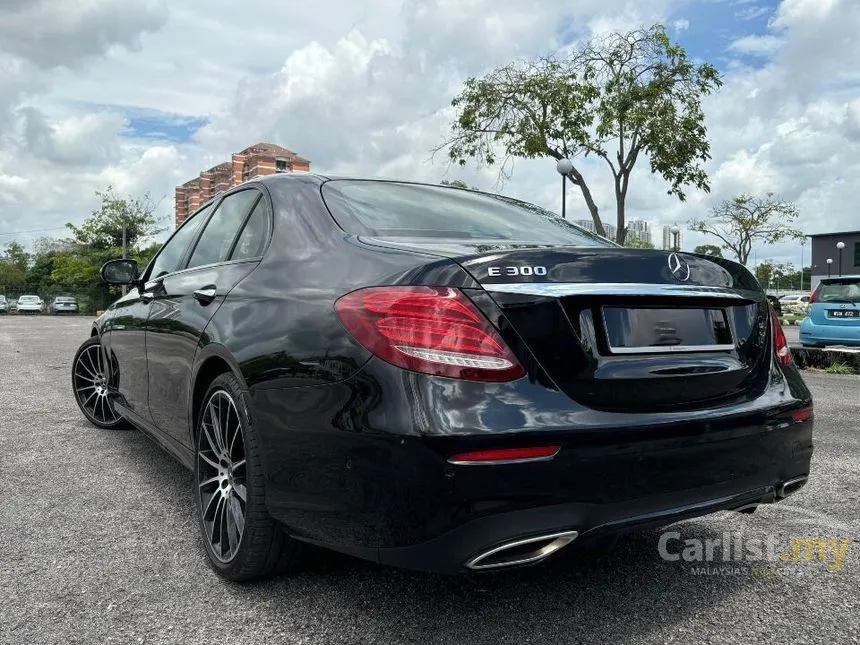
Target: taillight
783	351
433	330
812	297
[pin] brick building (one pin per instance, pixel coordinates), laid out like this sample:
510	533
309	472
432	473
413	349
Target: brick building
254	161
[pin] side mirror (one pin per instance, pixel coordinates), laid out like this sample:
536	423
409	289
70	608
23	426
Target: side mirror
123	272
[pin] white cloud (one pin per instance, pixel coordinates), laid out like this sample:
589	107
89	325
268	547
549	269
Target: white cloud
366	88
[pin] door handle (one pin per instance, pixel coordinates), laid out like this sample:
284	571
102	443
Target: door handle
205	295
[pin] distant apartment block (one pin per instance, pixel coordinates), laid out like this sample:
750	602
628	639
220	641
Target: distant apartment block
637	229
668	242
255	161
588	225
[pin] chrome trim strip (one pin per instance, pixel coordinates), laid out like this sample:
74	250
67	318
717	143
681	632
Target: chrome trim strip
559	540
560	289
669	349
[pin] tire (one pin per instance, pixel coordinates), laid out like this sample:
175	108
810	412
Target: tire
241	540
90	387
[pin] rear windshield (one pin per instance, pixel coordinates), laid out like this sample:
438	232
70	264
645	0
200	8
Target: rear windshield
28	299
61	299
391	209
847	290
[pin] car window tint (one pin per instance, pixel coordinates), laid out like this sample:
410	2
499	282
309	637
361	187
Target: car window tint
171	254
252	240
217	238
385	208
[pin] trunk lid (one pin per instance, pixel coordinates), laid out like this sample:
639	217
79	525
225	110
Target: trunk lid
623	329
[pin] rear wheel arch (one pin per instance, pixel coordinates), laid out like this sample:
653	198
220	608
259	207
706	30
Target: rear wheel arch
210	365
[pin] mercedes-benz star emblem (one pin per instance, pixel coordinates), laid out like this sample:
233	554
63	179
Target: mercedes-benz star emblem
679	267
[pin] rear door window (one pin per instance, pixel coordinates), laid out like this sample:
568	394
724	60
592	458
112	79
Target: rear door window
217	238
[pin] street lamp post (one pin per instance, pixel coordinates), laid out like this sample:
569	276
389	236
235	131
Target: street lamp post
675	232
840	246
829	264
802	245
564	167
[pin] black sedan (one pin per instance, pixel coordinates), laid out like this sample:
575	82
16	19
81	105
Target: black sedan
439	378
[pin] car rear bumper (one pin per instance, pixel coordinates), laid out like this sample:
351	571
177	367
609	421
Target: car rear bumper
837	334
396	499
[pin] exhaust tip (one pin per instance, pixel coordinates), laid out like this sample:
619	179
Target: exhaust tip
791	486
520	552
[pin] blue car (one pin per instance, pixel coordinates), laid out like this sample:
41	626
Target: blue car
834	313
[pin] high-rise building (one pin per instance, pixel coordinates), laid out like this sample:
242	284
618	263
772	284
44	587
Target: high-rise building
668	242
588	225
638	229
255	161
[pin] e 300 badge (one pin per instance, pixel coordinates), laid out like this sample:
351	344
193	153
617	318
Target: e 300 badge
516	271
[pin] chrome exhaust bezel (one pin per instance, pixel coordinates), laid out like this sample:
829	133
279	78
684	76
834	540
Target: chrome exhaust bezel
556	542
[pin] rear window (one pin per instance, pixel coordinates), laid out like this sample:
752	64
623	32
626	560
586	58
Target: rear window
391	209
28	299
839	290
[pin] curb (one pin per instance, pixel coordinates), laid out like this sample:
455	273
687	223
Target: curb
822	358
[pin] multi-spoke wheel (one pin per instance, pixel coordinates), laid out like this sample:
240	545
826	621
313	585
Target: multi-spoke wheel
221	476
91	377
241	539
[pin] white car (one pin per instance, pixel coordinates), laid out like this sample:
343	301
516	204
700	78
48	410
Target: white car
4	306
30	305
795	304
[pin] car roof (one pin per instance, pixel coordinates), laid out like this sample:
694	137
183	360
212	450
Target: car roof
839	278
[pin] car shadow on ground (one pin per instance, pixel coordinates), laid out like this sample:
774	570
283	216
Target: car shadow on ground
589	597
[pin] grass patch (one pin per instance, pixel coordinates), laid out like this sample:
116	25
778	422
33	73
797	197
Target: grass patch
839	368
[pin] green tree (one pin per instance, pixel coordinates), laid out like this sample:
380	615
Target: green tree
709	249
16	256
104	228
636	243
747	220
614	99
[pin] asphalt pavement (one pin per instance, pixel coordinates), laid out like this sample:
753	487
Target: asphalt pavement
98	544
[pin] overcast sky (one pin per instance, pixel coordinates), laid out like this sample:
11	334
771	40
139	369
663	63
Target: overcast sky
146	94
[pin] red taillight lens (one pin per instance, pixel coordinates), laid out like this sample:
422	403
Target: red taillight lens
812	296
799	416
783	351
433	330
505	455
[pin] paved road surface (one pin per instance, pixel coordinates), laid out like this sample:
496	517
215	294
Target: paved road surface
98	545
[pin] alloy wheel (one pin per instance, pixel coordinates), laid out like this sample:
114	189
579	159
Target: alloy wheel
91	386
222	476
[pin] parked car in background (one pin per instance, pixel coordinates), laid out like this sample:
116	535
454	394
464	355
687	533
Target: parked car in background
64	305
438	378
834	313
30	305
797	304
13	305
4	306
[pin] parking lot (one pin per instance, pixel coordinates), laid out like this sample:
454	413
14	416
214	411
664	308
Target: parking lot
98	544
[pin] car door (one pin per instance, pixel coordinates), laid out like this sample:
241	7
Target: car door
124	333
185	301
